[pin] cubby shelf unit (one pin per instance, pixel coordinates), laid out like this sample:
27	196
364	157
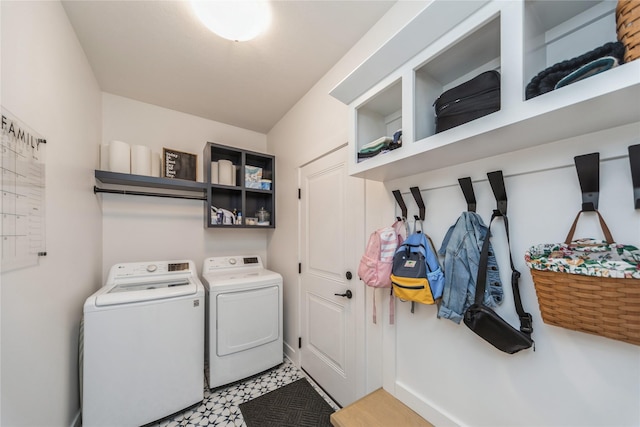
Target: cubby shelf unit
451	42
239	197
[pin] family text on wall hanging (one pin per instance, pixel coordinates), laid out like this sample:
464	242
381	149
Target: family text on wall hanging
22	205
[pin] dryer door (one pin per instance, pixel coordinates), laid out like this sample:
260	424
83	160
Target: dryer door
247	319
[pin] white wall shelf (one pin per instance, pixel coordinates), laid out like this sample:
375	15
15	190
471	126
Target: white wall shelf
517	38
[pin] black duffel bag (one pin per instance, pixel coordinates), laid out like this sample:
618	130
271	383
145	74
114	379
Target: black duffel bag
470	100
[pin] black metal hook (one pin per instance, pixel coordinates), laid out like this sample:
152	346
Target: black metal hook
400	201
634	160
500	193
418	197
588	168
469	195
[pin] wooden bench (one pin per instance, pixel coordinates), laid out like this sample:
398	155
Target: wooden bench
378	409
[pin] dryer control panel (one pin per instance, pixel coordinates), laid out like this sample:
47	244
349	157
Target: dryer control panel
226	262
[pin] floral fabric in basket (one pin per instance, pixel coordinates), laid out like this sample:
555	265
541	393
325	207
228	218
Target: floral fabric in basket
587	257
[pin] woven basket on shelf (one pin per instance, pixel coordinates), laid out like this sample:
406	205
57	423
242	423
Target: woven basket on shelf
595	305
589	285
628	27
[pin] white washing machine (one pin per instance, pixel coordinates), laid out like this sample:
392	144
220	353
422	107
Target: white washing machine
142	351
244	318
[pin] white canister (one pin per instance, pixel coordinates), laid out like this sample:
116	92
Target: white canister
226	171
119	157
156	164
140	160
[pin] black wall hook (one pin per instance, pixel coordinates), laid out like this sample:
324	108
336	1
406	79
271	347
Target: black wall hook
418	197
588	168
634	160
500	193
400	201
469	195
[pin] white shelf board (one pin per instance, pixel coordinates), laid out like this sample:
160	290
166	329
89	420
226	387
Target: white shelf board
423	30
607	100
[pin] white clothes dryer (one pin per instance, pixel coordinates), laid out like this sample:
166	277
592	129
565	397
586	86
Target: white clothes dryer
244	318
142	345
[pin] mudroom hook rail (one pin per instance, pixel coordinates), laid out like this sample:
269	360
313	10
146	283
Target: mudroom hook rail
143	193
588	168
634	160
467	189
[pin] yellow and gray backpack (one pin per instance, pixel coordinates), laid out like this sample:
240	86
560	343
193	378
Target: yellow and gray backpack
416	274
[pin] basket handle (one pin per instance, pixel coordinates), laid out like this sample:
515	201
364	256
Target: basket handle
603	225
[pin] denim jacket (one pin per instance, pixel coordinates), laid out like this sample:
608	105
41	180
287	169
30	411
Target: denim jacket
461	250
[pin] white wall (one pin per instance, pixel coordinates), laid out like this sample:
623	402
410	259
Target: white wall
139	228
48	84
439	368
317	124
572	378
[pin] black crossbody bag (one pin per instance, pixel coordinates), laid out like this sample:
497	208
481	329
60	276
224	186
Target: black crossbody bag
481	319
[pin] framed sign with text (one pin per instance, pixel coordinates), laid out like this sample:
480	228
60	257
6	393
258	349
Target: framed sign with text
178	164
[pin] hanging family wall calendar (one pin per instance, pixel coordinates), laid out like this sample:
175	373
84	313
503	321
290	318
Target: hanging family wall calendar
23	194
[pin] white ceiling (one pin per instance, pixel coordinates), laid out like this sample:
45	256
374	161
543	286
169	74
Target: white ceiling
157	52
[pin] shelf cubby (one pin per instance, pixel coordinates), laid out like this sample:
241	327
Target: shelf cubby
381	115
477	52
555	31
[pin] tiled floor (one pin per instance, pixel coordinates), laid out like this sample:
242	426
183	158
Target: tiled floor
220	406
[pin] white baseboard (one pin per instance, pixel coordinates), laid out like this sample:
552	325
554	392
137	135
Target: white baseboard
291	353
434	415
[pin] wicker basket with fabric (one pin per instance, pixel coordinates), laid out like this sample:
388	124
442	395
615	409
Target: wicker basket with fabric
589	285
628	27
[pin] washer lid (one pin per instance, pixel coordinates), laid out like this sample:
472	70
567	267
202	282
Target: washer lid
129	292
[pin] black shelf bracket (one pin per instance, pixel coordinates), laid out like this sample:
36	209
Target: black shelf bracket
496	180
415	191
467	189
97	190
588	168
400	201
634	160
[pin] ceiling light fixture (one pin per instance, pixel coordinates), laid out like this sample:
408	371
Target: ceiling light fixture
238	20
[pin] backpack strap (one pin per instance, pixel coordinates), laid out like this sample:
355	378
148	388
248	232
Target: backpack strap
526	326
398	227
392	307
401	227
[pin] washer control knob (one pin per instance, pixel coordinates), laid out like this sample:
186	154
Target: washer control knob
151	268
232	261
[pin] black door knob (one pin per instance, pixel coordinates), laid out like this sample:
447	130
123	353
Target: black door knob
347	294
349	275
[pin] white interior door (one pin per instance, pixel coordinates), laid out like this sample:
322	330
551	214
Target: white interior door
332	230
